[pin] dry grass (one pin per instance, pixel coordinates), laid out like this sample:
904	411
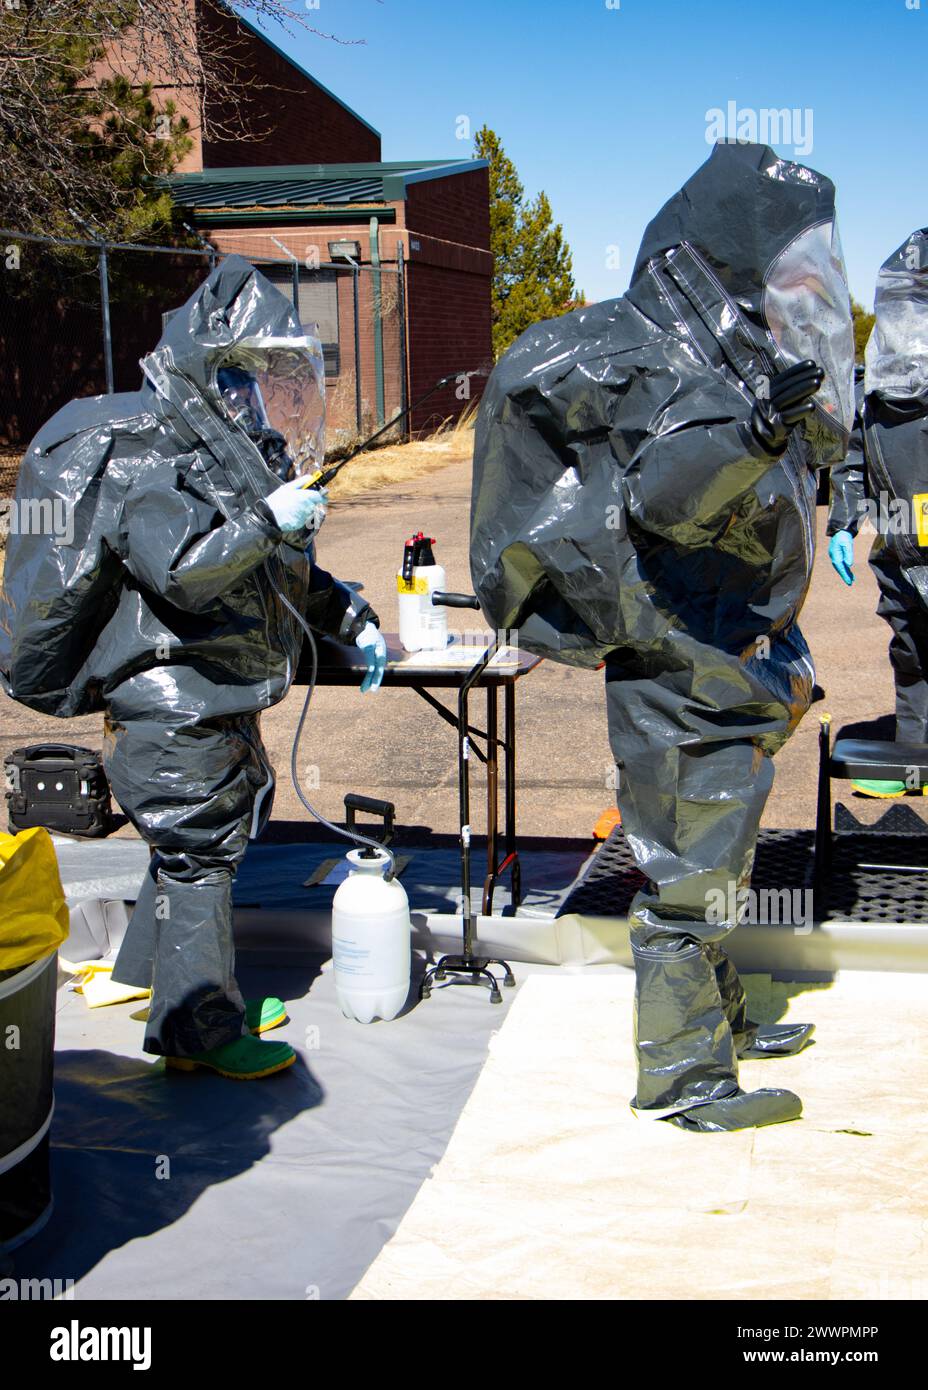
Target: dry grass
453	442
9	467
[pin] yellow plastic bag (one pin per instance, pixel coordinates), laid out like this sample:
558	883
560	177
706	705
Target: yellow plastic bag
33	912
94	981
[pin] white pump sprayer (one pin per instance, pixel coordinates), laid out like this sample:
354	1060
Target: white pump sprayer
371	944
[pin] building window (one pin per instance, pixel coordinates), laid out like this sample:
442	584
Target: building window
318	307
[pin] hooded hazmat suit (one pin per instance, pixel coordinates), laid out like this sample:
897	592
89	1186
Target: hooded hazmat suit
891	470
624	511
165	609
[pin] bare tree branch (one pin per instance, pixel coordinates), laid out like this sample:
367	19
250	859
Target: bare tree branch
95	96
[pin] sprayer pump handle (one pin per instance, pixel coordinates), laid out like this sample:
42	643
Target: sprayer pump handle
442	600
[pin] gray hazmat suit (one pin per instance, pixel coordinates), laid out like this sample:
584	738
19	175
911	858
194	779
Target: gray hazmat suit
887	474
165	609
626	512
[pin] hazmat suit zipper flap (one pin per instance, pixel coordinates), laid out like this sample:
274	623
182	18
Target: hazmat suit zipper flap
705	295
690	277
901	541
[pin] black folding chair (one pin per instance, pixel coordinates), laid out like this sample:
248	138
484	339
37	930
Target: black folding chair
853	759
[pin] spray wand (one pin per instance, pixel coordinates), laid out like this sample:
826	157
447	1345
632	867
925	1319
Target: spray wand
323	476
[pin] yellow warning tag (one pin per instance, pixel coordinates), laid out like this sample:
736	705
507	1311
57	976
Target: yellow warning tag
420	586
920	510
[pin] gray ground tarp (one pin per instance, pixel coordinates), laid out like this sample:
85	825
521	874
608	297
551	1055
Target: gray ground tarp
169	1185
193	1186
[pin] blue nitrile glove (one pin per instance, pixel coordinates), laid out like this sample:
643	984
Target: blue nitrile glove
297	508
370	640
841	554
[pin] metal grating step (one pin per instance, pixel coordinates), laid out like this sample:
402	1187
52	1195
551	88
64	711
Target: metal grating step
885	892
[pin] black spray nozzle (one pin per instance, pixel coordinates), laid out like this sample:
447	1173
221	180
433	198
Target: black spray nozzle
417	551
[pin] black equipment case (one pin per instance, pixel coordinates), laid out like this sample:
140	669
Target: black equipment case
60	786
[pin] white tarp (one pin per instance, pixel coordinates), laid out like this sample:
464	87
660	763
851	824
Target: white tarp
551	1189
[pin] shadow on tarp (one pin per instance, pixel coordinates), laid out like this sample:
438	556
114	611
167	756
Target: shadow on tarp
311	1171
769	995
134	1146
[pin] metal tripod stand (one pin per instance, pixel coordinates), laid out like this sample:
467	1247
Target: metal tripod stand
473	969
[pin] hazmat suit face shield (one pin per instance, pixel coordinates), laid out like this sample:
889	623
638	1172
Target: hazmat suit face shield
242	397
274	390
807	307
897	352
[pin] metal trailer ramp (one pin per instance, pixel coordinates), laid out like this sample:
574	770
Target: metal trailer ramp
875	916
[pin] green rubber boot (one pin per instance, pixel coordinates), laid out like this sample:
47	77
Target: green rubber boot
246	1059
882	789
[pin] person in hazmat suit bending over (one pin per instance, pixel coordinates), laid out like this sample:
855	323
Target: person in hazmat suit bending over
175	609
887	473
644	498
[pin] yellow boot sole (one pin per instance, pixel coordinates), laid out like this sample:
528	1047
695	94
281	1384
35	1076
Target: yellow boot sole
877	796
274	1022
188	1064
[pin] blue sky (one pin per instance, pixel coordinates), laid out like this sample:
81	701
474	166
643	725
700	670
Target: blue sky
606	108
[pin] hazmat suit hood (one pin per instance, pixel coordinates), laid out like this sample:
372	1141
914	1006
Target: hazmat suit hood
895	428
751	243
897	351
619	499
238	323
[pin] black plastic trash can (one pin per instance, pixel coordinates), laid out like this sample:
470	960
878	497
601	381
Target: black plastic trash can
27	1047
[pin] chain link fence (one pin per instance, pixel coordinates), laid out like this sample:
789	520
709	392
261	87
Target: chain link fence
359	313
76	316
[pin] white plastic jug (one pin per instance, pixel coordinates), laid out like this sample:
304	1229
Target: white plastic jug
371	934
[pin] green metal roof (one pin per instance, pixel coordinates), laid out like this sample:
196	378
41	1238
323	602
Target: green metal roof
310	185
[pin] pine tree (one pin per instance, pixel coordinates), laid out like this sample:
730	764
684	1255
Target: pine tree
76	154
863	326
533	272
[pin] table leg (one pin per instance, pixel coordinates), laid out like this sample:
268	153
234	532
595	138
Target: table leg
509	749
510	861
492	796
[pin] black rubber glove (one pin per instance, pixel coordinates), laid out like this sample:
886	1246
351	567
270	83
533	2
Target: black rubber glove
790	401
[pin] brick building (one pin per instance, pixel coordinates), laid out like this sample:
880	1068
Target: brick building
419	236
417	230
391	260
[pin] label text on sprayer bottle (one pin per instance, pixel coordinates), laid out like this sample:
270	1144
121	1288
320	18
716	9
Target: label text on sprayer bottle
350	958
